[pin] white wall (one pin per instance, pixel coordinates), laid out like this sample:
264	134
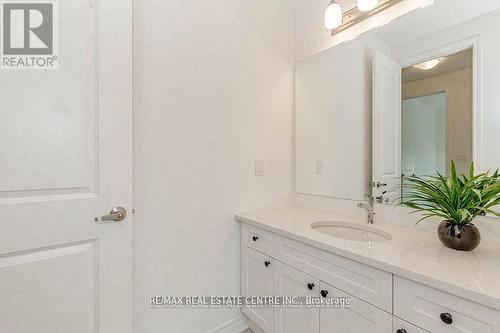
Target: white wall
213	92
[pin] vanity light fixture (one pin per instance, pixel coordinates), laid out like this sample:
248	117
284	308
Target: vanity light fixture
366	9
333	15
430	64
367	5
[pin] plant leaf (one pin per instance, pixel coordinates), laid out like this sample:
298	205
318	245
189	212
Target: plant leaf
458	199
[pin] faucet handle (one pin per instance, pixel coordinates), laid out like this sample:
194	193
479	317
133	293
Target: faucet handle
369	199
380	198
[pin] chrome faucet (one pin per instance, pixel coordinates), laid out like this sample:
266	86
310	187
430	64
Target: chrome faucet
368	206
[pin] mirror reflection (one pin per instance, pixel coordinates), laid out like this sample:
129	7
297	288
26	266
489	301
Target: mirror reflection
409	92
437	115
424	135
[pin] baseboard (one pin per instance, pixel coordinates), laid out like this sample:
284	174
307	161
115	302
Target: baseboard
237	324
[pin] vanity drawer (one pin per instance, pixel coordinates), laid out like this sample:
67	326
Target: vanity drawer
430	309
256	238
364	282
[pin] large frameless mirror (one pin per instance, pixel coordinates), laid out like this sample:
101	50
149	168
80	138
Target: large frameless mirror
400	100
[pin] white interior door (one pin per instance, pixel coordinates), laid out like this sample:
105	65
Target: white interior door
386	143
66	157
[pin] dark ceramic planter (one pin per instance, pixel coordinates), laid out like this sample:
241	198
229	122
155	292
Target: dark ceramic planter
459	237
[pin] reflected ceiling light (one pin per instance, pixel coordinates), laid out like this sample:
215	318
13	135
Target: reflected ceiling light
333	15
367	5
427	65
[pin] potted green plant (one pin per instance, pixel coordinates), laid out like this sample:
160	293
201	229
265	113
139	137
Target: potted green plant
457	200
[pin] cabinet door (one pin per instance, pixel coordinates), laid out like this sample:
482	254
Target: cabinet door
401	326
357	317
257	280
290	282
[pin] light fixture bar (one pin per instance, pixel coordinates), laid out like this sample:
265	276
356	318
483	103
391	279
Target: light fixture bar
355	16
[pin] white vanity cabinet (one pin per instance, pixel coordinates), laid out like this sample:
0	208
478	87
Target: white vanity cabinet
272	265
380	302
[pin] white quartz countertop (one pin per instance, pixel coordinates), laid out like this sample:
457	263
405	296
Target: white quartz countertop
412	253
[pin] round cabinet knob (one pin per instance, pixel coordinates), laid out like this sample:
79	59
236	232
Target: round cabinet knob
255	238
267	263
324	293
446	318
402	330
310	286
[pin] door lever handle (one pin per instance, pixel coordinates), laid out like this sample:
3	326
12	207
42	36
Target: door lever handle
117	214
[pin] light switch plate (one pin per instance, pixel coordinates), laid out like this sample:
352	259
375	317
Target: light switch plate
259	168
319	167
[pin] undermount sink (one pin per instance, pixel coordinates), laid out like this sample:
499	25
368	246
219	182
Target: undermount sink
351	231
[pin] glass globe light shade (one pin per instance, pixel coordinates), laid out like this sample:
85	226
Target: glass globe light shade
333	15
367	5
